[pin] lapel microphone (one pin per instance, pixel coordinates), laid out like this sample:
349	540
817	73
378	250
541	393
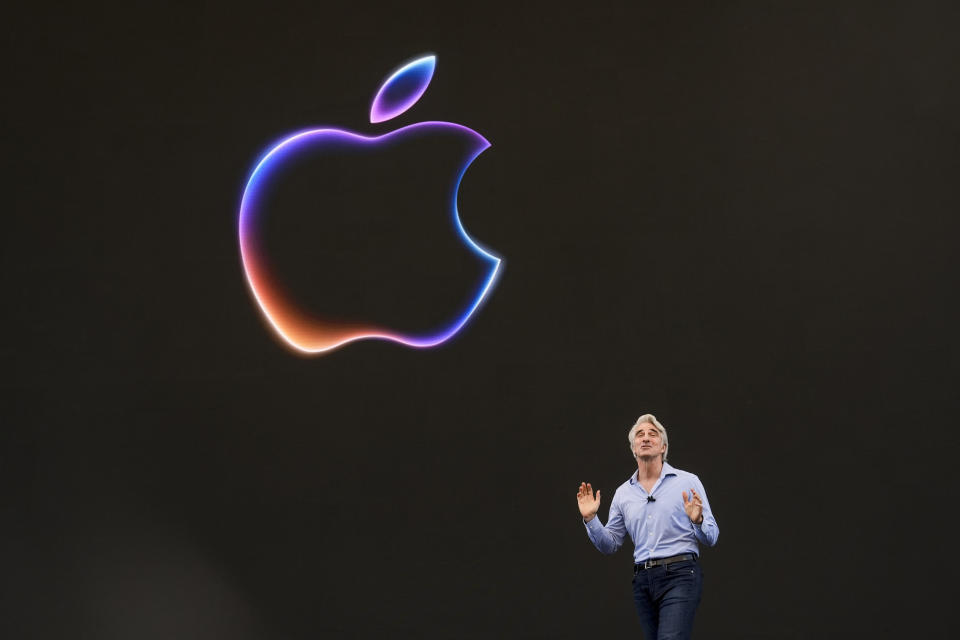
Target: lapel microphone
651	499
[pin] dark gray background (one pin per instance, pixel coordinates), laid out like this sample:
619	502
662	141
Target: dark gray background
739	216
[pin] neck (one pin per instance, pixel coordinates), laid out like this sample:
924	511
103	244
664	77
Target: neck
649	468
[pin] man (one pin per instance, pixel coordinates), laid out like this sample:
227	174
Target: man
666	513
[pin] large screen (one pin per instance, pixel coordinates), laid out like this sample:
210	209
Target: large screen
317	316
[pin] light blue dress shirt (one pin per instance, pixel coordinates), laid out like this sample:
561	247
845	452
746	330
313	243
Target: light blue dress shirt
659	529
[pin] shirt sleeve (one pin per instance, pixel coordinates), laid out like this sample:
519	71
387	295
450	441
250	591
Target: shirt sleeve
607	539
707	531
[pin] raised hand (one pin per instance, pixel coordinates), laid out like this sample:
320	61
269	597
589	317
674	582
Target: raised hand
693	507
589	505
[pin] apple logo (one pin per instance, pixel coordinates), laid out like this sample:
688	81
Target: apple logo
304	330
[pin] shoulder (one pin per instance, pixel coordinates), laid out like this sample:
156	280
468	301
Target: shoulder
684	475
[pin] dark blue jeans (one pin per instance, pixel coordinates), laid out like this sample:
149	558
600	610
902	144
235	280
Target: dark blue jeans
667	598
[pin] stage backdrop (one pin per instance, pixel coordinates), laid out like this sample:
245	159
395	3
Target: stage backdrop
736	216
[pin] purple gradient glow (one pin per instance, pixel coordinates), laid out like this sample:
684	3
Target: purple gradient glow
402	89
309	335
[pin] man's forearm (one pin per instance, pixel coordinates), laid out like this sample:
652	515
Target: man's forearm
603	540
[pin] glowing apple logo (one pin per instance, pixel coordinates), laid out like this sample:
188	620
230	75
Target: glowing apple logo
307	332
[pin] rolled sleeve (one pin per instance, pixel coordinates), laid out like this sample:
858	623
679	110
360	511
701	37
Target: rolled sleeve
707	531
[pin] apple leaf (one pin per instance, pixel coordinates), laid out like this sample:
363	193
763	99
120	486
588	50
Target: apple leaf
402	89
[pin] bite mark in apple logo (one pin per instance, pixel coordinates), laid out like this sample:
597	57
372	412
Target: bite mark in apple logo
305	332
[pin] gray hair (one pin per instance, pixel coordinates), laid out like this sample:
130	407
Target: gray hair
651	419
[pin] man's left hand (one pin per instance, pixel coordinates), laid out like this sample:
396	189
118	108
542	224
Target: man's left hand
693	507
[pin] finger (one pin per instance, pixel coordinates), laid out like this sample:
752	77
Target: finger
695	494
598	495
589	490
685	501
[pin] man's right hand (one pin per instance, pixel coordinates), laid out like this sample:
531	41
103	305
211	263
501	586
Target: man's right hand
588	503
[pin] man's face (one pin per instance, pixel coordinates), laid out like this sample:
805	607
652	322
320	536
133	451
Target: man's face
647	442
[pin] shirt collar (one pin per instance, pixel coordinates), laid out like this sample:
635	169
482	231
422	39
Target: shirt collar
667	470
